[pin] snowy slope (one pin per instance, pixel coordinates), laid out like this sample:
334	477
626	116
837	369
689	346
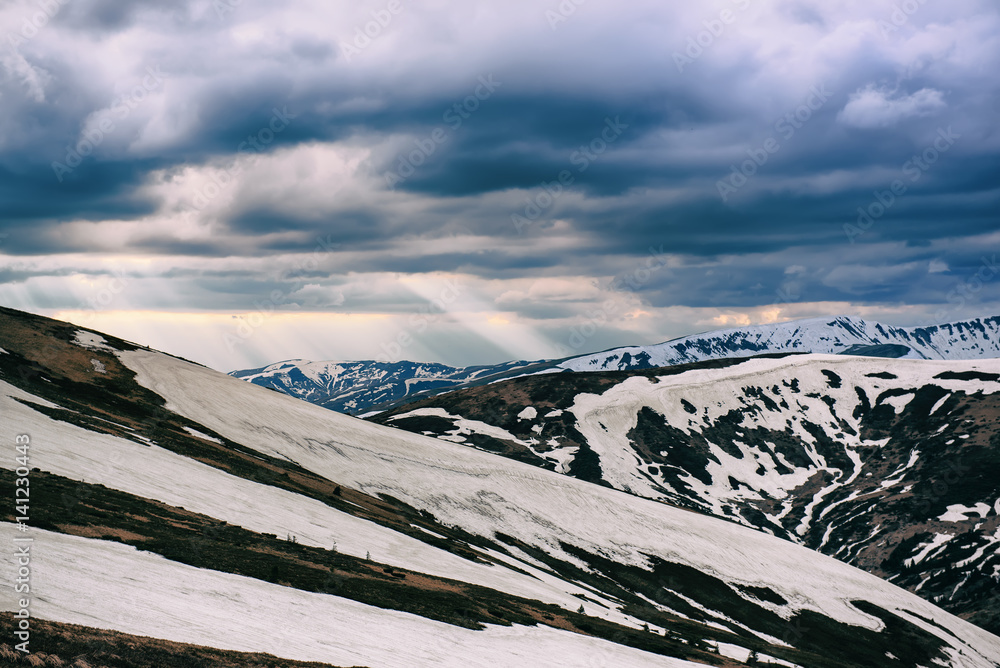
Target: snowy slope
891	465
155	473
200	474
479	492
963	340
95	583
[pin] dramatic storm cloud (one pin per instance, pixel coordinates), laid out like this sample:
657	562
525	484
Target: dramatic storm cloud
240	181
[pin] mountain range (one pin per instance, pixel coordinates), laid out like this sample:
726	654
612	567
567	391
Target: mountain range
365	386
353	387
181	517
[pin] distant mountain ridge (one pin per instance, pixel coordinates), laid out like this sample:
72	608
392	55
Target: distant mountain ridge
972	339
365	386
351	387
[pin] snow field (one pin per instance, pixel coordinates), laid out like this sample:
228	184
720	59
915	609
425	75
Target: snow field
482	493
112	586
155	473
606	419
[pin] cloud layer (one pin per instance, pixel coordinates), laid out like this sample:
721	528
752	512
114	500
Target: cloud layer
674	166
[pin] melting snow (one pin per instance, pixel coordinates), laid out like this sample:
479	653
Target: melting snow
899	403
195	432
481	492
155	473
91	341
958	512
939	404
733	651
528	413
113	586
936	542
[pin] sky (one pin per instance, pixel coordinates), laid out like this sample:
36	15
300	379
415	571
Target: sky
240	182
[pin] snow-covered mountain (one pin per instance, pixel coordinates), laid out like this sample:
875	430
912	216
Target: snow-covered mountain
352	387
973	339
176	511
363	386
890	465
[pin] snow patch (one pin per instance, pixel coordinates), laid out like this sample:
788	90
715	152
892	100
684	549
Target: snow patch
939	404
898	403
929	547
91	341
958	512
727	650
195	432
528	413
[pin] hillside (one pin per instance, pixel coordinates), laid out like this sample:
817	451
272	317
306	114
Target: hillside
168	501
890	465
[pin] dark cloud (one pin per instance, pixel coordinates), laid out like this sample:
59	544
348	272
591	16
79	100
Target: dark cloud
506	105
